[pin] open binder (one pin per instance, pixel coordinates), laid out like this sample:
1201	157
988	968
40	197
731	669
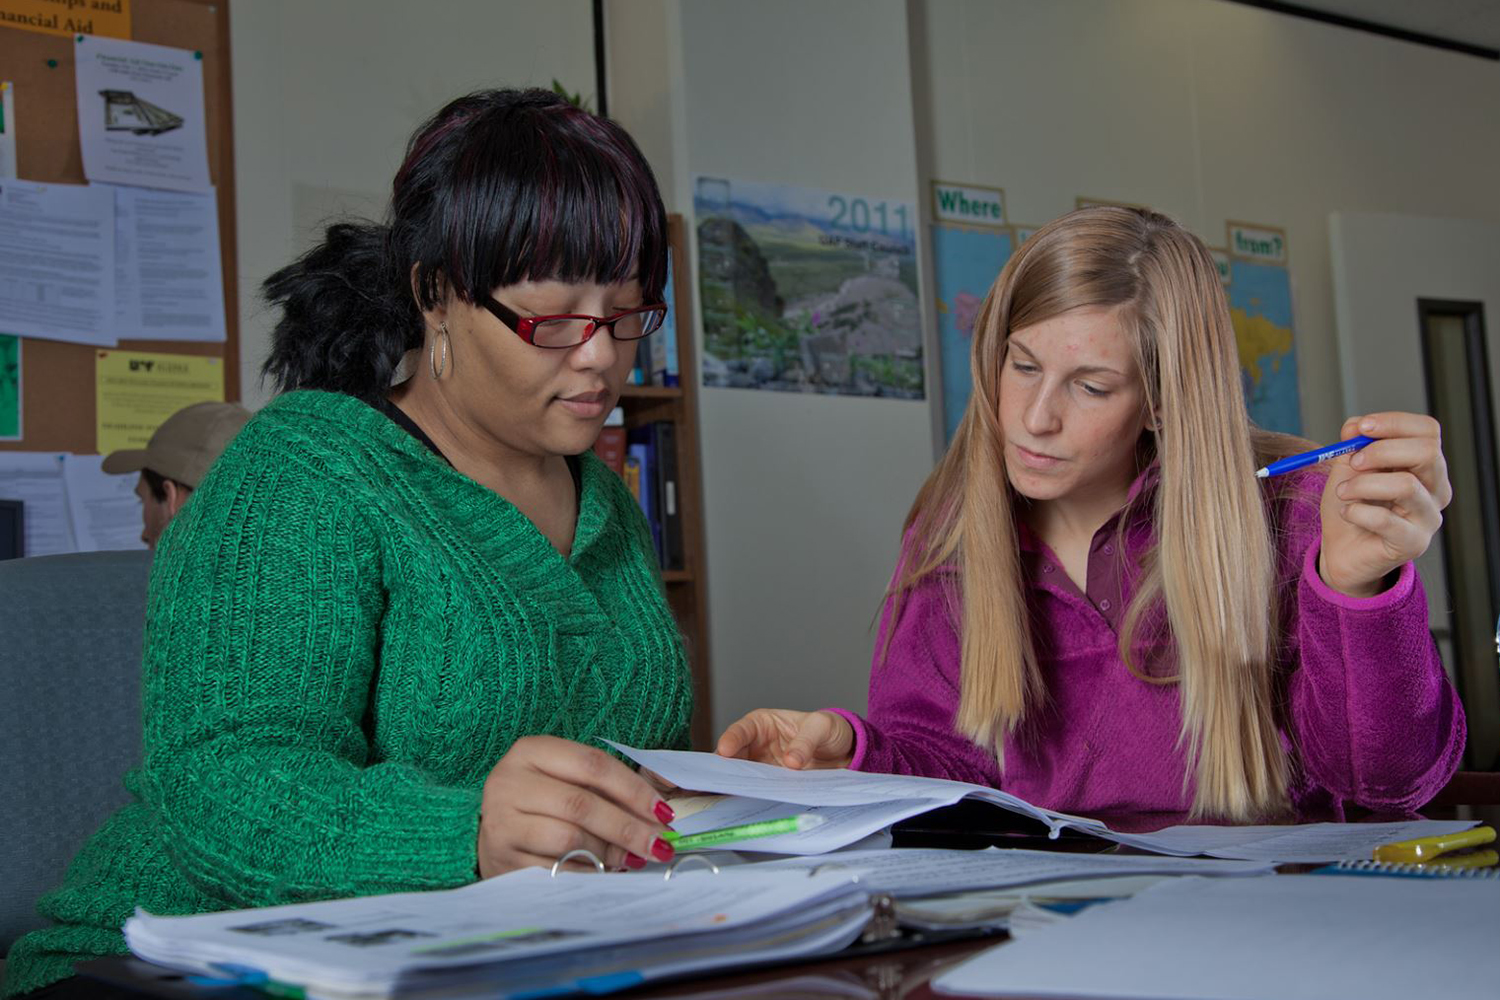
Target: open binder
521	934
561	931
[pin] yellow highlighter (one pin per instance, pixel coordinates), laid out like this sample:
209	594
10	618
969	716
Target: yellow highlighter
1473	859
1424	848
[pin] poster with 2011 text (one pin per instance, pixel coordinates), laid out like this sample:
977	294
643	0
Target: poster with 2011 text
808	291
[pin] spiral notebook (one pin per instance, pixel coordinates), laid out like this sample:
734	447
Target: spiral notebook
1404	869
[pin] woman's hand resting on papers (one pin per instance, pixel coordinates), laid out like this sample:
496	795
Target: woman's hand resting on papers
549	796
797	740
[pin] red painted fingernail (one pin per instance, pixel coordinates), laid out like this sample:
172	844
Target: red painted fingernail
661	850
634	862
664	812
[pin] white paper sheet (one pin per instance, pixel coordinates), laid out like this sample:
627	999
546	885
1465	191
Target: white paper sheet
8	130
1017	908
1294	937
57	261
140	114
881	799
36	479
1306	843
885	798
168	280
929	871
842	825
105	510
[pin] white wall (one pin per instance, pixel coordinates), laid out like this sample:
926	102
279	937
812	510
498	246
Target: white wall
1210	111
327	91
804	494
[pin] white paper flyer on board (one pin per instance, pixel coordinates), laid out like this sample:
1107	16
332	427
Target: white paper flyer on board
141	114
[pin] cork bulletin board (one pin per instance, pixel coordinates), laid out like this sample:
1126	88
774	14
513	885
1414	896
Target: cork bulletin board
58	379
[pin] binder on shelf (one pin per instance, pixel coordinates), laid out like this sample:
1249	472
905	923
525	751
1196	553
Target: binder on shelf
655	445
656	361
672	557
643	450
663	353
631	473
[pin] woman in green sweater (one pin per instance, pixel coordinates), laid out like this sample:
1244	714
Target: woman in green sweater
386	636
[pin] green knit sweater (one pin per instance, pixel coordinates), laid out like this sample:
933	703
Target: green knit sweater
343	636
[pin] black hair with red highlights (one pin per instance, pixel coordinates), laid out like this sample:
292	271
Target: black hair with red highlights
498	187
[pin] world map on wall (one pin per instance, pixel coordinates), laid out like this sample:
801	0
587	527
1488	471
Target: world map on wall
1260	304
967	261
965	264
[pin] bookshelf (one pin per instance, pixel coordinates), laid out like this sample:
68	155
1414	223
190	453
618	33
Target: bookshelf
687	588
651	391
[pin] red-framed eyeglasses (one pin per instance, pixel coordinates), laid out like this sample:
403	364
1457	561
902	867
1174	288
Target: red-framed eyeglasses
564	331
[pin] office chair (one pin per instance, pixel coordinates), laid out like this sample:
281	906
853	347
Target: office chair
70	718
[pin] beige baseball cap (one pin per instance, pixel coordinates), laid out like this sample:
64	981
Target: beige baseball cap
186	443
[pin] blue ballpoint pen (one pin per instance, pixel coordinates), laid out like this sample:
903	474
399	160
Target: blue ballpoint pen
1294	462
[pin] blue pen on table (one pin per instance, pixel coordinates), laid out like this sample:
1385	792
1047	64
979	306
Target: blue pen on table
1323	454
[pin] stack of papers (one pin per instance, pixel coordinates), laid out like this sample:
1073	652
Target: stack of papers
1285	936
1017	910
522	933
929	871
943	890
855	804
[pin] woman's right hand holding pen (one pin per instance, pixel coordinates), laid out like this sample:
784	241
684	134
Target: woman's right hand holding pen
1383	504
796	740
548	796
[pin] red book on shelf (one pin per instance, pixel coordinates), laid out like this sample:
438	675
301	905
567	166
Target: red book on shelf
610	444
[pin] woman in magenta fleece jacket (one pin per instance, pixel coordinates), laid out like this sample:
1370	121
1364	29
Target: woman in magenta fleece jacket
1098	606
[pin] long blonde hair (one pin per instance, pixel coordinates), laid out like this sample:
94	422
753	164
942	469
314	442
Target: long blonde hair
1212	565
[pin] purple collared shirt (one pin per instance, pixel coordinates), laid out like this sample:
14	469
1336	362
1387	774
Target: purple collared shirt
1369	716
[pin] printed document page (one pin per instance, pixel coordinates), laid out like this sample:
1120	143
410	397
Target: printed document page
105	509
169	284
854	803
140	114
36	479
57	247
929	871
891	796
1309	843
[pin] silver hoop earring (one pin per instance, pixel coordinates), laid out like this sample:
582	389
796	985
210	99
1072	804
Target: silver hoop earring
432	361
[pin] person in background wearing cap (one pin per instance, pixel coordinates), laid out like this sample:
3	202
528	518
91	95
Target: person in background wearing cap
175	459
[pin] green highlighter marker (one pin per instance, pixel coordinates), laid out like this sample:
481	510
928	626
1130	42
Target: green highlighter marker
745	831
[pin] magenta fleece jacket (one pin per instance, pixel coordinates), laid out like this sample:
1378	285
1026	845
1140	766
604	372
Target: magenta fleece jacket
1369	717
